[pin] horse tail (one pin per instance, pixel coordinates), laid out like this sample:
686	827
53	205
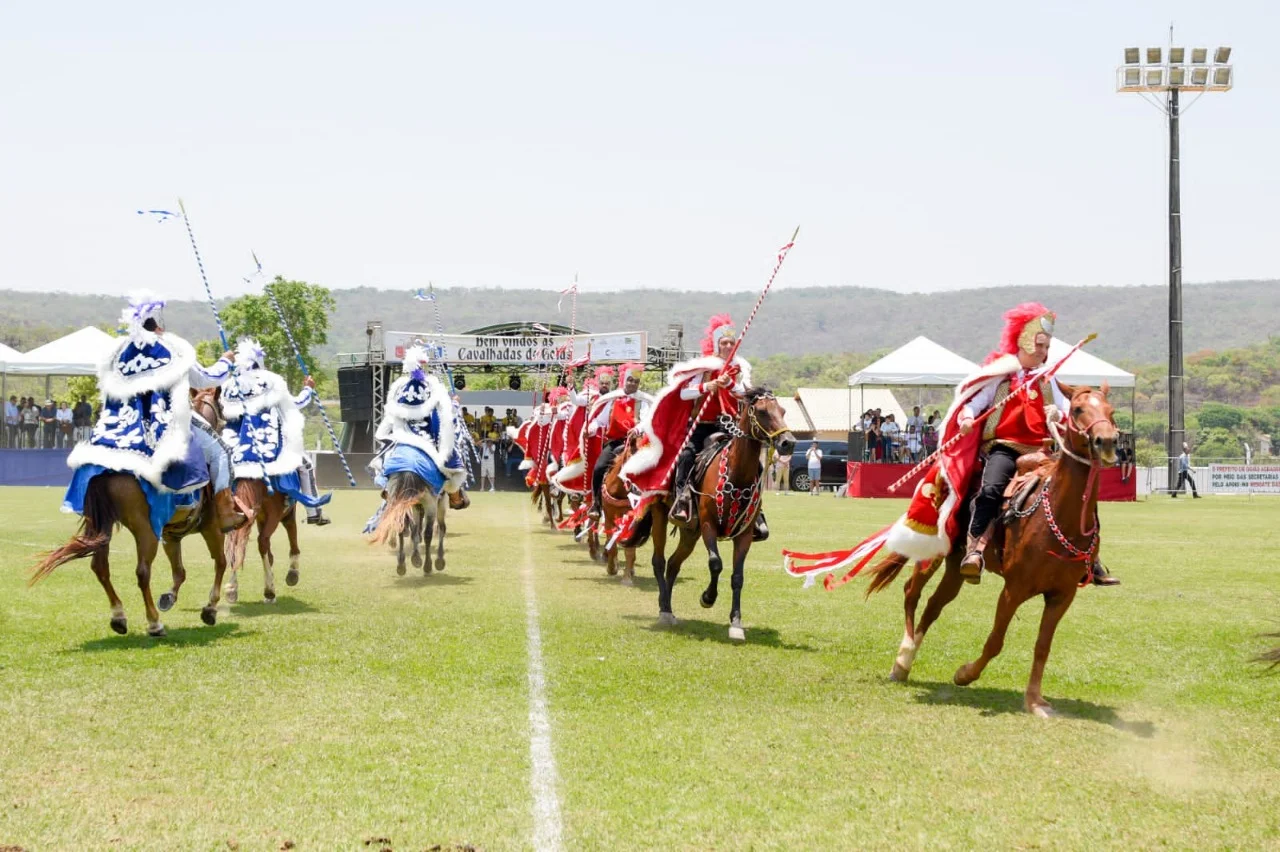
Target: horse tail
93	537
885	572
249	492
404	490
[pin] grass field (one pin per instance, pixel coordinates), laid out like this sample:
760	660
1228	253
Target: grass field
369	711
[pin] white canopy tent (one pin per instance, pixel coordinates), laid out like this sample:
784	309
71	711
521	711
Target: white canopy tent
1085	369
918	363
77	354
8	354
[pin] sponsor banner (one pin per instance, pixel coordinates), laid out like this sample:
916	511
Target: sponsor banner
525	350
1244	478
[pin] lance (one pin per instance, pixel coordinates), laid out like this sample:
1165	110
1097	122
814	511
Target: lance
448	372
186	220
315	396
629	520
955	439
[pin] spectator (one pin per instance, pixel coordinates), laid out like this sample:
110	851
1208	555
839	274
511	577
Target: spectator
931	434
814	458
873	440
915	434
82	419
63	417
1124	455
11	422
890	432
49	419
31	424
488	425
782	472
1184	474
487	453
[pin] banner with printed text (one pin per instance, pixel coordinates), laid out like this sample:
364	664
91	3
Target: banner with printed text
1244	478
525	350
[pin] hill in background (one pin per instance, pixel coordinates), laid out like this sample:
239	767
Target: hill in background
1131	321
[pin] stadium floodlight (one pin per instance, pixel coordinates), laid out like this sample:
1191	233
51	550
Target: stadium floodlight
1150	80
513	381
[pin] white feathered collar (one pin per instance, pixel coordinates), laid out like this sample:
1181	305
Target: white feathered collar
129	370
251	391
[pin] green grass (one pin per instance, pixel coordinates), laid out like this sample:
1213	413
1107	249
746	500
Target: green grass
365	705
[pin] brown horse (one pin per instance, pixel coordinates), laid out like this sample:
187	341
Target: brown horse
271	510
728	498
1042	550
117	498
615	505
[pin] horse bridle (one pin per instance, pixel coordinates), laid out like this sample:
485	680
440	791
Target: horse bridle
756	429
1093	462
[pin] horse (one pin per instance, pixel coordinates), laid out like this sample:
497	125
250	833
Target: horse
413	510
614	505
1045	545
117	498
728	498
271	510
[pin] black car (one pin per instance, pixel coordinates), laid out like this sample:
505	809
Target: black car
835	458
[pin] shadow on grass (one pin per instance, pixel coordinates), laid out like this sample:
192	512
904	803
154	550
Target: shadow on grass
996	701
641	582
416	579
283	606
176	637
708	631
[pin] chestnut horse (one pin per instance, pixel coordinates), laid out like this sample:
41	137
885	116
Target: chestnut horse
728	498
271	510
1042	550
117	498
615	505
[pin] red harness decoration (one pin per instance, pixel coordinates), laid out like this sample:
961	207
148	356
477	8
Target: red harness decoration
743	501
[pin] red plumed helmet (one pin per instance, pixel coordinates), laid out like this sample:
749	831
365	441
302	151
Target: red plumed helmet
557	393
628	369
1021	325
720	326
601	372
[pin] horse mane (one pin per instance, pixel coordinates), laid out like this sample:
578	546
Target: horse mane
758	391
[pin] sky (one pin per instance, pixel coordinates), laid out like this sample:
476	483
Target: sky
920	147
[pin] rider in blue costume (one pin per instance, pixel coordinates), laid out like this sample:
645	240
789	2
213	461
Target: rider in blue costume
146	426
264	428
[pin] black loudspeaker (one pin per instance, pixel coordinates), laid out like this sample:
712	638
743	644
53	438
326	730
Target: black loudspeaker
355	393
857	446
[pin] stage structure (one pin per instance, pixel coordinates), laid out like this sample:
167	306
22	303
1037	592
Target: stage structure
531	356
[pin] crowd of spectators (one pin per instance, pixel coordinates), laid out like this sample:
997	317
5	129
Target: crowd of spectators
30	425
886	440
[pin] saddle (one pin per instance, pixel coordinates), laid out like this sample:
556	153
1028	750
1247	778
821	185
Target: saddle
1031	472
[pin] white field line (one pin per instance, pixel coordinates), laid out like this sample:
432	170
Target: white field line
542	762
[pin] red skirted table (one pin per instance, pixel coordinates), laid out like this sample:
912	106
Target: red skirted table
873	480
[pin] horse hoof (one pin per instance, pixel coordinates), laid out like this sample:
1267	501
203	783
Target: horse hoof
232	594
416	559
291	579
155	630
400	569
611	570
268	597
627	581
209	615
426	570
1042	710
736	633
898	674
667	619
707	602
166	602
120	625
963	678
439	564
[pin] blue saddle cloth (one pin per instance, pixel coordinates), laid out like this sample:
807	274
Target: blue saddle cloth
289	483
403	457
182	482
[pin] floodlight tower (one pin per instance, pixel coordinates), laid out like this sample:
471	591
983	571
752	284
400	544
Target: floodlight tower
1149	78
